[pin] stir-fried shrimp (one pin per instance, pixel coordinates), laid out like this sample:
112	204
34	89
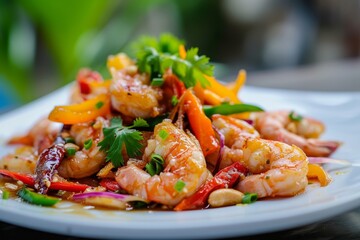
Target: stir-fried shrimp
89	161
132	95
184	163
302	133
23	160
278	169
235	132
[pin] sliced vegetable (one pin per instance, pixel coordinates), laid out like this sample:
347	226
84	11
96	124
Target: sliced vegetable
30	181
316	171
200	123
221	90
85	78
36	198
122	197
5	194
249	198
225	178
295	117
155	165
238	83
179	185
157	82
221	150
110	184
119	61
227	109
82	112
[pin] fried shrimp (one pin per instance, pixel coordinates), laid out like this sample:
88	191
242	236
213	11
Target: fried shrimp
85	162
303	133
132	95
277	168
184	163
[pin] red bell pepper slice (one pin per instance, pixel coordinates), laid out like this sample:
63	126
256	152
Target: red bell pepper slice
110	184
225	178
84	79
30	181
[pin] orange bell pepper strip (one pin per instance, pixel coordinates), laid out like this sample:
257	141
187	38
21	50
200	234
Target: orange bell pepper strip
30	181
200	123
316	171
83	112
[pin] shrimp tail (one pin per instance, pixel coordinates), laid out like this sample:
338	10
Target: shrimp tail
49	161
321	148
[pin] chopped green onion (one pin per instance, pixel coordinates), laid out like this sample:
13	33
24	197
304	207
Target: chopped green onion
295	117
227	109
99	104
69	140
163	134
5	194
249	198
174	100
70	151
179	185
155	165
88	144
157	82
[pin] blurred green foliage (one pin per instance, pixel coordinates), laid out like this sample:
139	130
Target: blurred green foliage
44	43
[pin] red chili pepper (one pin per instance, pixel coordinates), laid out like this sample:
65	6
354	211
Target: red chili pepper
30	181
225	178
110	184
49	161
85	77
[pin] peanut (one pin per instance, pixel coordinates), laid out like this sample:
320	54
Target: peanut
225	197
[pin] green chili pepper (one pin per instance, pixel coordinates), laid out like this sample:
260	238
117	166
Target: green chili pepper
226	109
36	198
5	194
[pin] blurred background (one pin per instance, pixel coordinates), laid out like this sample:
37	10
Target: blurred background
44	43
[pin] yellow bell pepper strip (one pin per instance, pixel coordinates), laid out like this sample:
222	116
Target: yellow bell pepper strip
119	62
316	171
238	83
212	98
83	112
221	90
200	123
36	198
30	181
225	178
182	51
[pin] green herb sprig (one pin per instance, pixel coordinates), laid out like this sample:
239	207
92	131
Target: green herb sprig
117	136
156	56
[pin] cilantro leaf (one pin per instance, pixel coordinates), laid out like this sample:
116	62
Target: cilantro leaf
117	136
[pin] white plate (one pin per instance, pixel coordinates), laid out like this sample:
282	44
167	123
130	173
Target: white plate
339	111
